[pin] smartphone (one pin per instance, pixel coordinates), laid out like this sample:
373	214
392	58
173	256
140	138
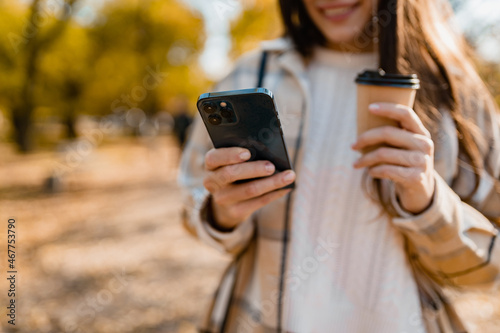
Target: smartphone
249	119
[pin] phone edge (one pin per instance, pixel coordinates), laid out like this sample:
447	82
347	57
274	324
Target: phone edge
236	92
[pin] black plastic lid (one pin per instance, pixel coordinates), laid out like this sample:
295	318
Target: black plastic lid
381	78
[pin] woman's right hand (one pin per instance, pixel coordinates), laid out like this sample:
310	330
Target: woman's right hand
234	203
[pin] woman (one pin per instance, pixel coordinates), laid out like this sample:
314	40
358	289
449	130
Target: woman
326	257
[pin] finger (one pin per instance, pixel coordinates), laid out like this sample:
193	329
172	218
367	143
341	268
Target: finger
256	188
246	208
395	137
405	115
398	174
392	156
228	174
215	158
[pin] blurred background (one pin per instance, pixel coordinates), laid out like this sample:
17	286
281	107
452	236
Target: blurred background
95	100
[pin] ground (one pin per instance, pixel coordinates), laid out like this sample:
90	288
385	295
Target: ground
107	252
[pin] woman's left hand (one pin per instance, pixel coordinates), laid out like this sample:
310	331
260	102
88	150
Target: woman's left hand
407	159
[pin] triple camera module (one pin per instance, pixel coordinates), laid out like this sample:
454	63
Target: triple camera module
219	113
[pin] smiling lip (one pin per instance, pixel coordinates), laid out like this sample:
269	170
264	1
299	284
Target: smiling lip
338	12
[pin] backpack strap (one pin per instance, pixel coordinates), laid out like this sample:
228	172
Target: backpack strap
262	69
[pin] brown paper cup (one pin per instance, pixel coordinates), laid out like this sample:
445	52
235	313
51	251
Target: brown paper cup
368	94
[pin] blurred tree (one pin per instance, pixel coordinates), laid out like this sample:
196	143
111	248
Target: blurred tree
490	72
260	20
154	40
133	54
26	49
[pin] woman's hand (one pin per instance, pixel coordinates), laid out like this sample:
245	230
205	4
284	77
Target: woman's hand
409	159
233	203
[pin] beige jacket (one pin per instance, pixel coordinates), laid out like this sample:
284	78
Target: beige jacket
451	243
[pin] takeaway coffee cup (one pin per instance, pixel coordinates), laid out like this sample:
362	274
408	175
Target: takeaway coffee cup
380	87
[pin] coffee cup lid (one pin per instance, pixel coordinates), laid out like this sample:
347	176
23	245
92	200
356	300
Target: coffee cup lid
381	78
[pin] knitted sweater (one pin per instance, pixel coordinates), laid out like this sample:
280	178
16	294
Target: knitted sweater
365	284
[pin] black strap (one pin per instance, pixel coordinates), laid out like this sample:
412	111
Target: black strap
286	233
262	69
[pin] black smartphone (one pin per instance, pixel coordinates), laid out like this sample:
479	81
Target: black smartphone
249	119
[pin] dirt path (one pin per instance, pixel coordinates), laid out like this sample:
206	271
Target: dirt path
108	253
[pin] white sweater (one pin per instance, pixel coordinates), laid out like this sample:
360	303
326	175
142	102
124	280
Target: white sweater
365	283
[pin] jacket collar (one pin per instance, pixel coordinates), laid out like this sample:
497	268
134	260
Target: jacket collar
278	44
291	61
288	57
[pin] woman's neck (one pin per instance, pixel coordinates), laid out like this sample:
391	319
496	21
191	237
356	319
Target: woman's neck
353	46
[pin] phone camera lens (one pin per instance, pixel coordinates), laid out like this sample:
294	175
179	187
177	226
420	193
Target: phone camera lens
209	107
226	113
214	119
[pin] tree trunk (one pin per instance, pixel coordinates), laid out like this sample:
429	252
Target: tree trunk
69	121
21	120
22	113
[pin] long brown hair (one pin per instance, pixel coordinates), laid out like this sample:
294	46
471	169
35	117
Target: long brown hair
415	37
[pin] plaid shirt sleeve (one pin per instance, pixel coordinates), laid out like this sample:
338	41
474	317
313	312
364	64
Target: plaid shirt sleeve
454	241
191	174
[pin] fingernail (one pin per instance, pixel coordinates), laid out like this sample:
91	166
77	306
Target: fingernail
269	167
289	177
245	155
374	107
